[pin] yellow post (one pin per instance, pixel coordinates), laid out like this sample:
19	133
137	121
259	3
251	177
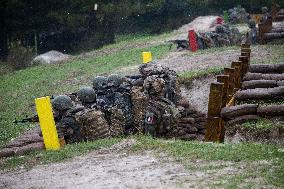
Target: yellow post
147	57
47	123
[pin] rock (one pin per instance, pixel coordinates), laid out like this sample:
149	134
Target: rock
50	57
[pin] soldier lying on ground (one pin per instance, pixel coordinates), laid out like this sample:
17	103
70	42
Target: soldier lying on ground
116	106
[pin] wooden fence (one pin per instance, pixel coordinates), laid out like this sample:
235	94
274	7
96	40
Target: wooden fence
222	94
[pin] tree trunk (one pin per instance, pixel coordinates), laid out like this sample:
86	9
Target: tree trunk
271	110
233	112
242	119
3	42
267	68
256	94
258	76
252	84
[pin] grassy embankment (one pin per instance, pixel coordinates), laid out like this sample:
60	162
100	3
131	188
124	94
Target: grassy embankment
18	90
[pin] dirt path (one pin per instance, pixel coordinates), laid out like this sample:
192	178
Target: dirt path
115	168
96	170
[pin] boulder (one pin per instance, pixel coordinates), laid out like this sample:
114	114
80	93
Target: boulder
51	57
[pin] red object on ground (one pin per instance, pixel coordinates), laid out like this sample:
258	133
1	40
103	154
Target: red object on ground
220	20
192	40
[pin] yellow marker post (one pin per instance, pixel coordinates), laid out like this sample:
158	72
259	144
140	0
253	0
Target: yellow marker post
47	123
147	57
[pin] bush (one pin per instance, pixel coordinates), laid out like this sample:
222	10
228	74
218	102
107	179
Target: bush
20	57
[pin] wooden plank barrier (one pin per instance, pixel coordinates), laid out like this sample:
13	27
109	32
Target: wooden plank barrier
238	79
231	85
214	122
225	80
222	95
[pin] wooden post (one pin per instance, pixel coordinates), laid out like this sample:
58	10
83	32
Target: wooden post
231	73
225	80
147	57
47	123
248	50
247	55
213	130
273	12
264	28
245	66
238	80
244	45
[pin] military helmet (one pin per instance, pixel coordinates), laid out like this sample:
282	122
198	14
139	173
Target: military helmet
100	83
114	80
62	102
264	9
87	95
251	23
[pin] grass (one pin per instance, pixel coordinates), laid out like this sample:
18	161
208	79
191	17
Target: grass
264	124
238	154
196	156
20	88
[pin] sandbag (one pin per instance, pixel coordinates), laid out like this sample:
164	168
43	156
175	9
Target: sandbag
187	120
267	68
252	84
232	112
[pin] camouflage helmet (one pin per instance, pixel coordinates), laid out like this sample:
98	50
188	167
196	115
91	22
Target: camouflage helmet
87	95
221	29
100	83
114	80
264	9
251	23
62	102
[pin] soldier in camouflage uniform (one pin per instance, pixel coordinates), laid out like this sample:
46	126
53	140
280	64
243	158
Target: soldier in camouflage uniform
64	111
161	114
252	34
265	16
120	92
222	37
106	101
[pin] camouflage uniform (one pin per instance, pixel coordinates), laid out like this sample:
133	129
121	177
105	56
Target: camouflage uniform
139	102
92	123
120	93
252	35
161	117
67	127
265	16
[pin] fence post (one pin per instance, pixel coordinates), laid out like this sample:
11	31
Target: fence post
244	45
225	80
238	80
245	65
230	72
214	126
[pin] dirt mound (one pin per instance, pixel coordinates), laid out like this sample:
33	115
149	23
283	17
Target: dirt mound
199	24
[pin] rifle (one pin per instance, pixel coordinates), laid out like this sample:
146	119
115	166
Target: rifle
33	119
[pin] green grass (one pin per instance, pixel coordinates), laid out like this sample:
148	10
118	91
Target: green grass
264	124
67	152
20	88
238	154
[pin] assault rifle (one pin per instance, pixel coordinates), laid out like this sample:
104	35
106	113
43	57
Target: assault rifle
33	119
